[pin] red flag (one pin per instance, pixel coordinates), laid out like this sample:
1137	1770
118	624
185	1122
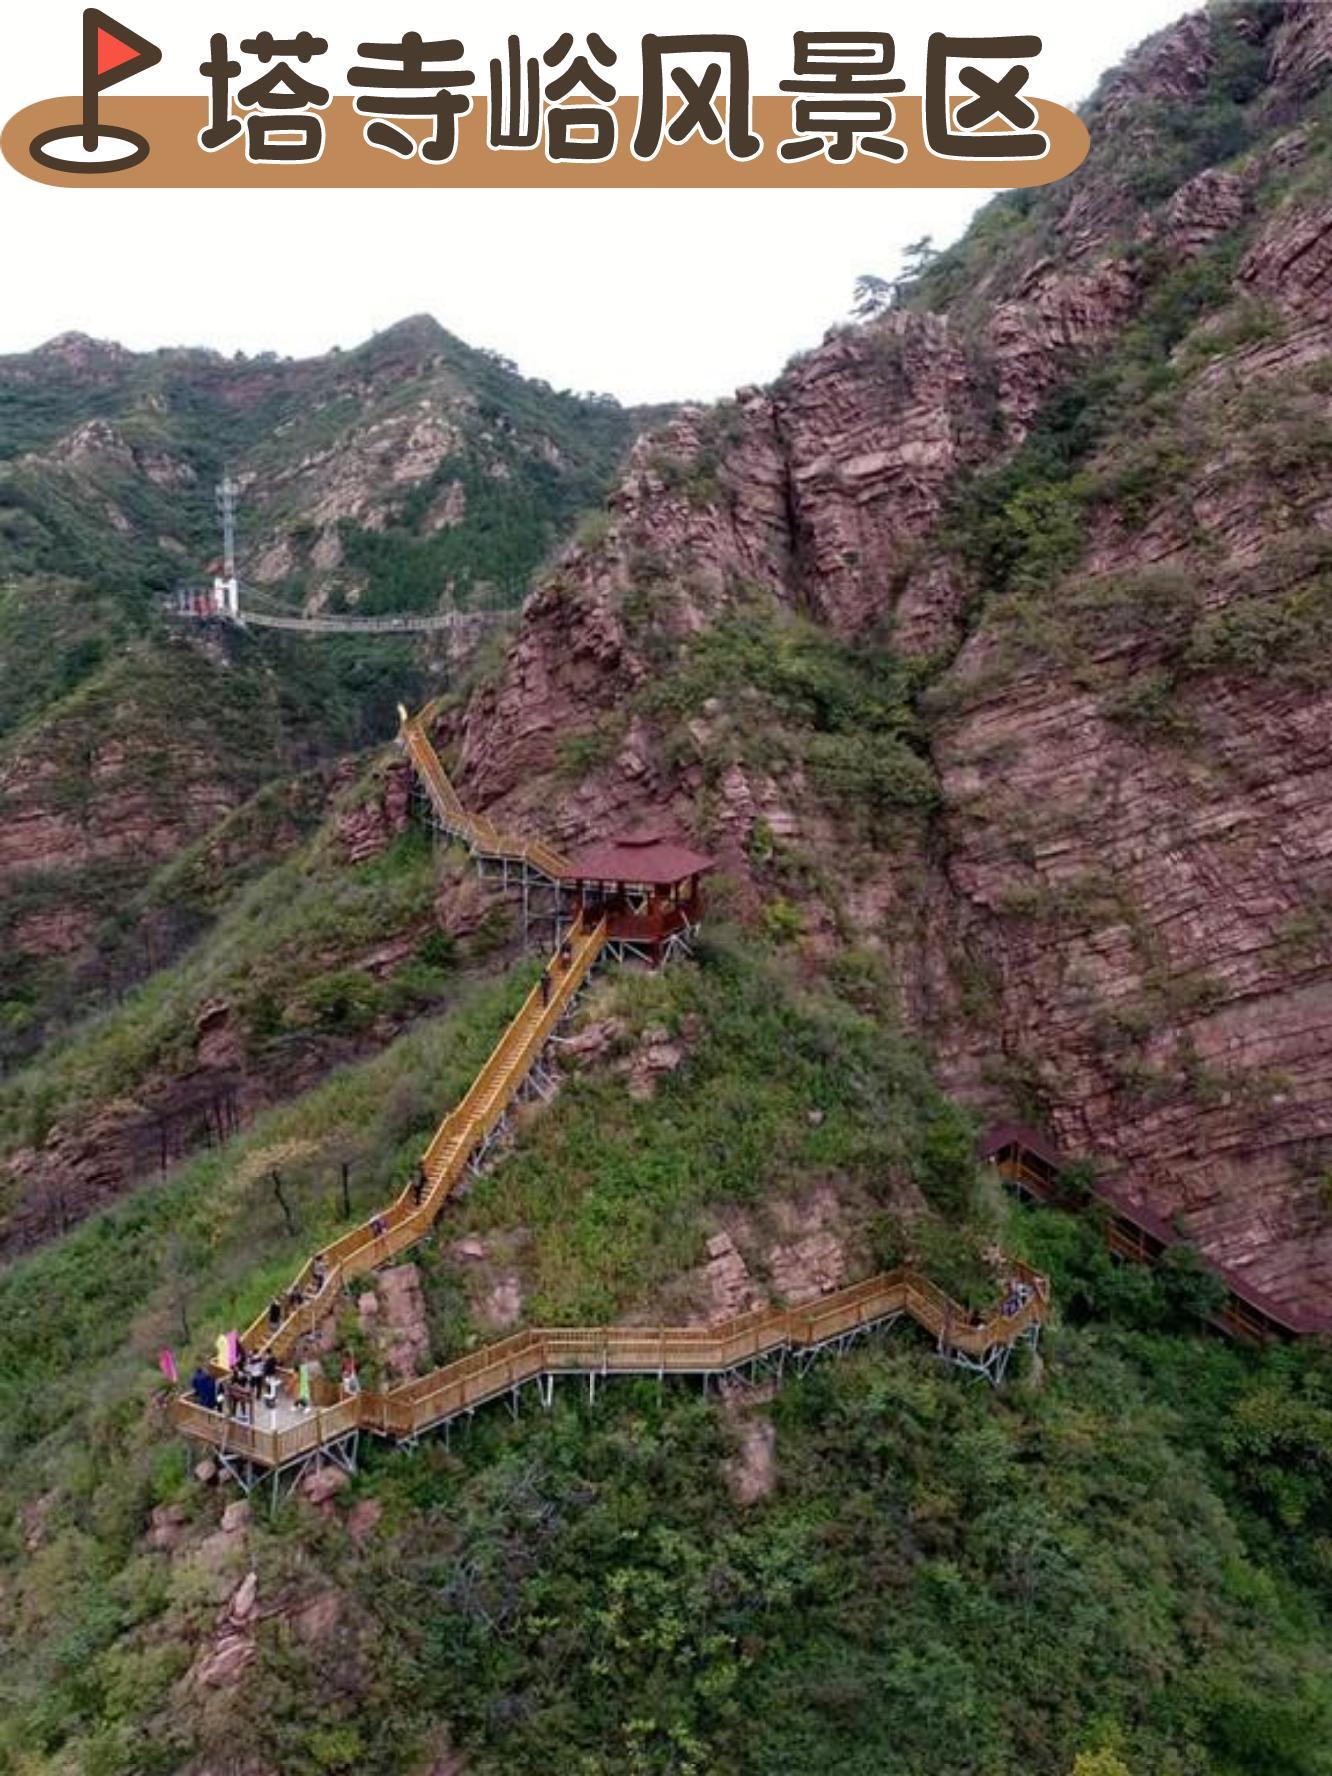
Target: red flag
113	52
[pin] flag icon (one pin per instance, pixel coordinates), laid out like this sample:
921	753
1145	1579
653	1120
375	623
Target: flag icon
112	52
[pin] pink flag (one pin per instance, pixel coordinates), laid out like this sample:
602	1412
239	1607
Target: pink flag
233	1349
168	1362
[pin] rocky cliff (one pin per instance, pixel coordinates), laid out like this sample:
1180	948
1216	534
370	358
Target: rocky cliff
992	637
1081	513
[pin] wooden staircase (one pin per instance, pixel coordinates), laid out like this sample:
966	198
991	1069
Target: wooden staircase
769	1337
486	841
459	1141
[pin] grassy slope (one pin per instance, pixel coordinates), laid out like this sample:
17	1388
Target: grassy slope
287	954
237	730
945	1579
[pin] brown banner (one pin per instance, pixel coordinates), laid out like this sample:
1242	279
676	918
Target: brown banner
175	161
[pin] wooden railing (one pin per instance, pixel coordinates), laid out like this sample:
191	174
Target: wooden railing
1135	1233
406	1410
417	1406
317	1428
481	836
462	1132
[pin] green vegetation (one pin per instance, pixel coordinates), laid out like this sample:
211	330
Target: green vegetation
1021	527
174	776
1117	1558
782	1084
792	695
1118	1566
131	739
515	506
1155	146
287	958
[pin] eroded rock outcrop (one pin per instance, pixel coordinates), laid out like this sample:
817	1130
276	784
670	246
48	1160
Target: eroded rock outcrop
1121	925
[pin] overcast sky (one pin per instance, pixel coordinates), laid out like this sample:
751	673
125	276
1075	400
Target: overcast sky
652	296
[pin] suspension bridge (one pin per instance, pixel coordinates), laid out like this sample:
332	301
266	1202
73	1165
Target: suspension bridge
227	599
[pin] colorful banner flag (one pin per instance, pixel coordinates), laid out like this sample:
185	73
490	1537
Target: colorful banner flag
167	1360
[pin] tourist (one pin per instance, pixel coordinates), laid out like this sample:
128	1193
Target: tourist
271	1386
274	1314
318	1273
204	1388
238	1401
566	953
351	1381
545	986
419	1186
378	1226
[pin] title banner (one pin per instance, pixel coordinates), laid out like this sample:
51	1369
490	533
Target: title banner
267	111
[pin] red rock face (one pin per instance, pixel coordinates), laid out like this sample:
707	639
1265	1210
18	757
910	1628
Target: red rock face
1302	51
1131	929
874	428
48	828
367	830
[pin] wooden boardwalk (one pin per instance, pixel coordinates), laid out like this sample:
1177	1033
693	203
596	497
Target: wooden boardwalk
283	1442
486	841
1134	1232
460	1142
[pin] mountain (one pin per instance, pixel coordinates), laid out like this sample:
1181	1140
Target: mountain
997	635
988	652
411	475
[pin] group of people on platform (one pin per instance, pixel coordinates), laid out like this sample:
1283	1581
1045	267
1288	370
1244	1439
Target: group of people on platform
238	1381
254	1379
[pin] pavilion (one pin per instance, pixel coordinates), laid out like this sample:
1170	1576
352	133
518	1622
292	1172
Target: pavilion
646	886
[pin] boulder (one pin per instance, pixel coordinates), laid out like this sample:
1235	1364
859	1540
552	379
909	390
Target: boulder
322	1485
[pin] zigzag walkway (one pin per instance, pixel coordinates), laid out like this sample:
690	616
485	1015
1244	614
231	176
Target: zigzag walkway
284	1443
465	1135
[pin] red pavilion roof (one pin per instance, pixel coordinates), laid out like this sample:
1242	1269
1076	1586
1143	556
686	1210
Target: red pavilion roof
648	856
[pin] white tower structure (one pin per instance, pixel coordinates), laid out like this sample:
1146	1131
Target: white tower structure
226	587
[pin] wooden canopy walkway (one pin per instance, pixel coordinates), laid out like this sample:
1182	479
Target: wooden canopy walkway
282	1444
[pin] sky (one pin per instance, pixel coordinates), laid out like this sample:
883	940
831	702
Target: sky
649	296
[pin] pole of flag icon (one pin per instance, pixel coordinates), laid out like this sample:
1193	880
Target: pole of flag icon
112	52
